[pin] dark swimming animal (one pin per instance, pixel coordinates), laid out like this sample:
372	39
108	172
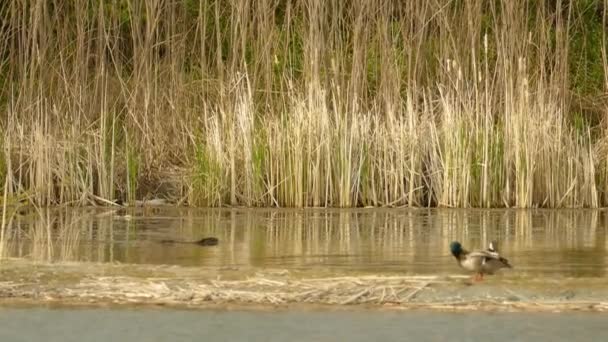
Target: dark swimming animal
480	262
208	241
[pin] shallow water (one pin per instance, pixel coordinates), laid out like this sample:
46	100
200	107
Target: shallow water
175	325
552	243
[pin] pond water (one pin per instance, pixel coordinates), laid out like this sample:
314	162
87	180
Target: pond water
66	325
551	243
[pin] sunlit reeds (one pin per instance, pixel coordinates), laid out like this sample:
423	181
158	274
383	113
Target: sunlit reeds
310	103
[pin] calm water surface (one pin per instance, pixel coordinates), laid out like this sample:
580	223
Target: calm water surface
172	325
548	242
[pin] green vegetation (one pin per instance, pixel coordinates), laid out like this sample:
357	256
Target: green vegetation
309	103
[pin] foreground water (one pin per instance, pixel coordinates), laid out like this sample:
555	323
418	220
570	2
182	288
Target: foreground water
172	325
547	243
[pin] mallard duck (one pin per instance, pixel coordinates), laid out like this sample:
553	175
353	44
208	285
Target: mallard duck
480	262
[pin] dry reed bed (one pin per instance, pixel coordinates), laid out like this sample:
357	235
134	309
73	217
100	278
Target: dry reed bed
89	286
301	103
257	290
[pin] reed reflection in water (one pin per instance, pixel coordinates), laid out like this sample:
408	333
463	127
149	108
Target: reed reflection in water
413	241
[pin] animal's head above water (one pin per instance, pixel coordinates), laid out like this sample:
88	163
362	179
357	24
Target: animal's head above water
456	248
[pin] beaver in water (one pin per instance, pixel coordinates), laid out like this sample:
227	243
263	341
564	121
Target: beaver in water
208	241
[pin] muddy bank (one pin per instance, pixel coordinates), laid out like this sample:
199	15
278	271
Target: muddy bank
117	284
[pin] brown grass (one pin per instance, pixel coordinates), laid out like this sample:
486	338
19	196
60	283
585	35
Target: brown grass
309	103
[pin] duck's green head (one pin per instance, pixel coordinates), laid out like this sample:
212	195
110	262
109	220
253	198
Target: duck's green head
456	248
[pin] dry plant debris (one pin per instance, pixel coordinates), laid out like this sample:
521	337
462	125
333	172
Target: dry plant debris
169	286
